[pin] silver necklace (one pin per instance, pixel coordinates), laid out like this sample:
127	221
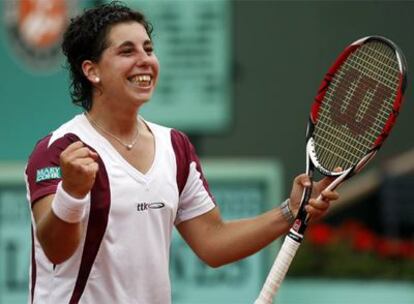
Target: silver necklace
127	146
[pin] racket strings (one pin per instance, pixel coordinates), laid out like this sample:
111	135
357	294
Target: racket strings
383	64
379	64
352	91
363	112
363	108
350	147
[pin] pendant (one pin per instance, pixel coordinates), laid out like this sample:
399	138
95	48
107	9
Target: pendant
129	147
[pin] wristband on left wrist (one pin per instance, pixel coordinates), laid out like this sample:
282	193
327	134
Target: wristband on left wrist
287	212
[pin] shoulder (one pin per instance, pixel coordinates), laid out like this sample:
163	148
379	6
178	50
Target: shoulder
48	149
43	166
179	137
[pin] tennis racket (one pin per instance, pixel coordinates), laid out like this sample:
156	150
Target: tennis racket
354	111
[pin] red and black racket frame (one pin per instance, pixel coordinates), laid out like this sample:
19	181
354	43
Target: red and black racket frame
301	221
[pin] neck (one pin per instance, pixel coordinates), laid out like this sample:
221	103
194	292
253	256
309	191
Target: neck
119	122
128	145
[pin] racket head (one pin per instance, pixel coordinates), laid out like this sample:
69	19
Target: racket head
356	106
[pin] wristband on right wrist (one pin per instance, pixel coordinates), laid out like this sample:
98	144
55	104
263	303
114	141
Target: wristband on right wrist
67	207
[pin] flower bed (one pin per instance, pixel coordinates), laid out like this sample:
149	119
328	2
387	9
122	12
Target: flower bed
351	250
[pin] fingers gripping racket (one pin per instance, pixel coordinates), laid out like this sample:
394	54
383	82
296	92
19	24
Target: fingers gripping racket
353	113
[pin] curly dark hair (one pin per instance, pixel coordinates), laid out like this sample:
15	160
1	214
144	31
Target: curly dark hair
86	39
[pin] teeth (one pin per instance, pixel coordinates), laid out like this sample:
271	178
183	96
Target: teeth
141	78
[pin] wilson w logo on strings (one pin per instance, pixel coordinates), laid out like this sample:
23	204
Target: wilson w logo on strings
357	101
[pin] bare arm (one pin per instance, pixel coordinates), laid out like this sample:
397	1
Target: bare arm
58	238
218	242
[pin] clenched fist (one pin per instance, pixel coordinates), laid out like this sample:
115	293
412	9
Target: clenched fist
79	167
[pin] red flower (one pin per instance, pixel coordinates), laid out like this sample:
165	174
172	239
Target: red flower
350	228
406	249
387	248
320	234
364	240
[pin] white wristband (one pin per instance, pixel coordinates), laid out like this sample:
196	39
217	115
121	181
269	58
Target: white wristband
68	208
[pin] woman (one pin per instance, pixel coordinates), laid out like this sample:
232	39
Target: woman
107	187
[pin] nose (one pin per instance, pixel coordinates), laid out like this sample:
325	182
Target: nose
143	59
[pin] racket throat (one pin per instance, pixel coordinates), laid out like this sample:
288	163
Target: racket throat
365	161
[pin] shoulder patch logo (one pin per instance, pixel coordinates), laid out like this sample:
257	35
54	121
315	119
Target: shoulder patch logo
48	173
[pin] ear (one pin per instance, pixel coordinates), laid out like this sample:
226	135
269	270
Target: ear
90	70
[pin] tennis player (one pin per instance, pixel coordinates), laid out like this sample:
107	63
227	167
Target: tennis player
107	187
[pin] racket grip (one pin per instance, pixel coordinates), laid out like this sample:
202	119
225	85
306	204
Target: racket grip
278	271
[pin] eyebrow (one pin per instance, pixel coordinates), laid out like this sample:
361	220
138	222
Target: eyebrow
129	43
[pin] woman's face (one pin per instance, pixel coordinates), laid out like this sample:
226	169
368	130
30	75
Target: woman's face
128	68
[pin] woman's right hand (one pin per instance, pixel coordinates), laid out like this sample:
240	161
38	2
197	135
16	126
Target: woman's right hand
78	166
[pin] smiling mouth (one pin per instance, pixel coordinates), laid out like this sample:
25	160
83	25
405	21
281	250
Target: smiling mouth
143	81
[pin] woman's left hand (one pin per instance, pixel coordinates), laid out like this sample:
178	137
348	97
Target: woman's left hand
315	208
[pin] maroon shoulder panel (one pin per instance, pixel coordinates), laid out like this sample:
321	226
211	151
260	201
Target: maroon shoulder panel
97	223
180	146
185	154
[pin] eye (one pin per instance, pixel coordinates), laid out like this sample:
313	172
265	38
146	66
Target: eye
149	49
127	51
